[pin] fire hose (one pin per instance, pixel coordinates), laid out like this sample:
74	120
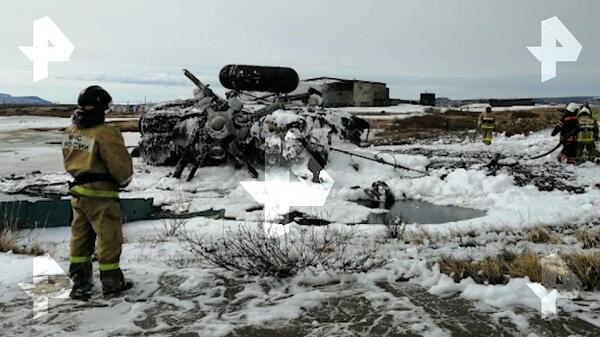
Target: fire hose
379	160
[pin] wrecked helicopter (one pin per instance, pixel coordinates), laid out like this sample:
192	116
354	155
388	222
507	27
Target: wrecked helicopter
263	120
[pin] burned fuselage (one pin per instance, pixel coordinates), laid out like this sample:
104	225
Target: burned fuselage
244	129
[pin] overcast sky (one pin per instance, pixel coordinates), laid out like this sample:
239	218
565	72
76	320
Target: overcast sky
458	49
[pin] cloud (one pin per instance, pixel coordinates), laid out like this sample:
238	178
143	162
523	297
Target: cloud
160	79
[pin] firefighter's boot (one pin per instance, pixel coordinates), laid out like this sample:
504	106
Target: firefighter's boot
81	274
114	283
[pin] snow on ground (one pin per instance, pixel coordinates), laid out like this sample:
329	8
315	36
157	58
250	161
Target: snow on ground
177	294
12	123
388	112
24	150
480	107
397	109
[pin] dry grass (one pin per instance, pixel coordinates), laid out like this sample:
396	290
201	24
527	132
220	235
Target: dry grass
541	235
34	249
11	236
499	269
586	268
526	265
491	270
419	236
9	242
589	237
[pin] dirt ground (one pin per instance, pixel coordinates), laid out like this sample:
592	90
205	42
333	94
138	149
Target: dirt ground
400	131
64	111
56	110
383	131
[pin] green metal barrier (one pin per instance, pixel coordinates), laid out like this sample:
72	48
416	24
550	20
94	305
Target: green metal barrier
57	212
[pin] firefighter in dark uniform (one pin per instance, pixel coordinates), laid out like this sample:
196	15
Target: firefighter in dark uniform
95	155
587	135
567	127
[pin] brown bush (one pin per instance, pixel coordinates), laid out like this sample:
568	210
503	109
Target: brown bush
586	268
541	235
494	270
526	264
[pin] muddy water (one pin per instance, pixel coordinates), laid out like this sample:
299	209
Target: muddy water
28	138
24	151
420	212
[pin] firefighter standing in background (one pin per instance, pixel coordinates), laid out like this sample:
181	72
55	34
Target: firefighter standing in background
314	99
95	155
567	126
486	125
587	134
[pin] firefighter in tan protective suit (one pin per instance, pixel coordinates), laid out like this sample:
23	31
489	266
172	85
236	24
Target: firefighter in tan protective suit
315	101
587	134
486	124
95	155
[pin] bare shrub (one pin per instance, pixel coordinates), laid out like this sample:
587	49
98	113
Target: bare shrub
173	227
589	237
418	236
394	227
255	251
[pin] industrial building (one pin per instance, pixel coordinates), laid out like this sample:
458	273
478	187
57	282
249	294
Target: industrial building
337	92
427	98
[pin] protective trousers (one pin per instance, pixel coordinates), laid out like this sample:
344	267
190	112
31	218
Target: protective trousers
590	148
96	225
487	135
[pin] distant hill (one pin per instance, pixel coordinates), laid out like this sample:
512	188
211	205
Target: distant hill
28	100
594	100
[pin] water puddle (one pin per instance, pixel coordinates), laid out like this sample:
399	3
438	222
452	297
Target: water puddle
420	212
28	138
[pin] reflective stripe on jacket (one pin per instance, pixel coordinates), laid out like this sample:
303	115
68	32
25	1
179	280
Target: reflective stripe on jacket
587	129
486	121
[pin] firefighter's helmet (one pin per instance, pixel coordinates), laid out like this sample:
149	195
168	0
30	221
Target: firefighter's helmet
573	107
94	98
